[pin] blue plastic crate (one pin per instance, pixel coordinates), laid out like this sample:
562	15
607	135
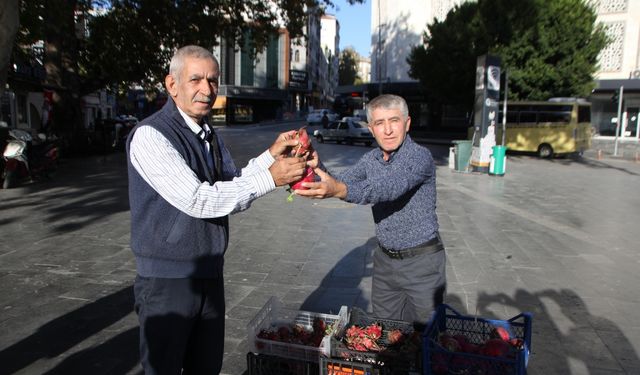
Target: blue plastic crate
438	360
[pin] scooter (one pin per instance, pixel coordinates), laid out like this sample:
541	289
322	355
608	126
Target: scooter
25	158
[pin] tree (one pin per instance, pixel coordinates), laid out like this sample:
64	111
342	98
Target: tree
94	44
348	67
549	47
9	22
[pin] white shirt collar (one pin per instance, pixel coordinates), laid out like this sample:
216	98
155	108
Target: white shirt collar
193	125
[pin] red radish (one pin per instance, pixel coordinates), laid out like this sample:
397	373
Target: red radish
304	143
495	348
395	337
449	343
500	333
309	176
517	343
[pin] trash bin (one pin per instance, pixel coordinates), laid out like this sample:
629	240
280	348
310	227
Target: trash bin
498	161
463	154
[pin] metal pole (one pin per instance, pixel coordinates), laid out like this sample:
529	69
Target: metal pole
379	67
615	144
504	107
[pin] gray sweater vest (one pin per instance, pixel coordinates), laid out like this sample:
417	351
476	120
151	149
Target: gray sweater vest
166	242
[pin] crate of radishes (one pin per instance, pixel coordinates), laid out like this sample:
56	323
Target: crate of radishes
459	344
389	346
296	334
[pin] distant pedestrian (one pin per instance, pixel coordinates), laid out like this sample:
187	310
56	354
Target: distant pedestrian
325	120
399	180
183	184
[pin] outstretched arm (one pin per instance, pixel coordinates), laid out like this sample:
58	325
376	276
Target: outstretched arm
327	187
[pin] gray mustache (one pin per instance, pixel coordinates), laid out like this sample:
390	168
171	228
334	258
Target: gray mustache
204	99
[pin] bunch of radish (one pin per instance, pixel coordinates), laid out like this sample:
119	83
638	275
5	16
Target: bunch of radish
500	344
304	146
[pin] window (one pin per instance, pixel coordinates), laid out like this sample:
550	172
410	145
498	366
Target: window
584	113
246	63
272	62
296	56
554	116
527	117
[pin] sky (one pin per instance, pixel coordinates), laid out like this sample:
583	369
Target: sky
355	25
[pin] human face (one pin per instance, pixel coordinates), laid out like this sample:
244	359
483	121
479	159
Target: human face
389	127
196	88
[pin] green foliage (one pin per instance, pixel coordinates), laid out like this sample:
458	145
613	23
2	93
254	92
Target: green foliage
131	41
348	67
549	47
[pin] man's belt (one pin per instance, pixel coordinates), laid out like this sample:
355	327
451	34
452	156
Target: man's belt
430	247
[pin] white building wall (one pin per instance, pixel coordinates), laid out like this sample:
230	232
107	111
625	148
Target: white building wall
396	27
329	43
621	58
364	69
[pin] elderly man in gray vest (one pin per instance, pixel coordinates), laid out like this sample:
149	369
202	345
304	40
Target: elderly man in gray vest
183	184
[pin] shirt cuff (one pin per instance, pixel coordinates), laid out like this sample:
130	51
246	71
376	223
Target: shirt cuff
263	182
265	160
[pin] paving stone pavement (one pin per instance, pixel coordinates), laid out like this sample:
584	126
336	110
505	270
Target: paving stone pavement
553	237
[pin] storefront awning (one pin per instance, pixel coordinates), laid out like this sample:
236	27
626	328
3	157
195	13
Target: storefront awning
220	103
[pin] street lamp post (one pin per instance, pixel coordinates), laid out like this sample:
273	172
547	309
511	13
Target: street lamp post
615	144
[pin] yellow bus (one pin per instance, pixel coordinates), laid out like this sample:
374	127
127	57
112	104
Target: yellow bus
554	127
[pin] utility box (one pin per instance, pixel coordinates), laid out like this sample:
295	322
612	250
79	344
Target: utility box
462	154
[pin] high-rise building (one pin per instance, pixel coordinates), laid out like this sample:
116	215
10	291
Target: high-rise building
396	27
286	79
329	43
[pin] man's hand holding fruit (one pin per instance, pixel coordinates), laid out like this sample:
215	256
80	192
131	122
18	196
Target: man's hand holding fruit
286	170
327	187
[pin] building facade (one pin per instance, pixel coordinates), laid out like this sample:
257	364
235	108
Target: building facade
287	79
329	43
398	25
619	71
364	69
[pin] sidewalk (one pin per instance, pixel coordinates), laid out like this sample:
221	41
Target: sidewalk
604	147
554	237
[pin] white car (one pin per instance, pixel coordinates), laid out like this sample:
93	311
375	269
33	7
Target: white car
349	130
315	117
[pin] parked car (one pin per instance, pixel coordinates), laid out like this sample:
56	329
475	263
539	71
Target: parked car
315	117
349	130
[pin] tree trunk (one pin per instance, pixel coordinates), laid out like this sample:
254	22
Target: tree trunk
9	24
60	61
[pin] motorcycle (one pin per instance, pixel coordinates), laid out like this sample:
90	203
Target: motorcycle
25	158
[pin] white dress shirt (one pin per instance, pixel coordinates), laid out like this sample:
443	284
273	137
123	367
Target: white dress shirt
165	170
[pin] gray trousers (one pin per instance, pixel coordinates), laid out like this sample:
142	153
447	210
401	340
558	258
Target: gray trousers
408	289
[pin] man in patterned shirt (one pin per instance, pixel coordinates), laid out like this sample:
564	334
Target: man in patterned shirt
399	180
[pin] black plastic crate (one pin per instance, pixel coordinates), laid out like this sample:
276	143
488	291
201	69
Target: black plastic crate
400	359
262	364
439	360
